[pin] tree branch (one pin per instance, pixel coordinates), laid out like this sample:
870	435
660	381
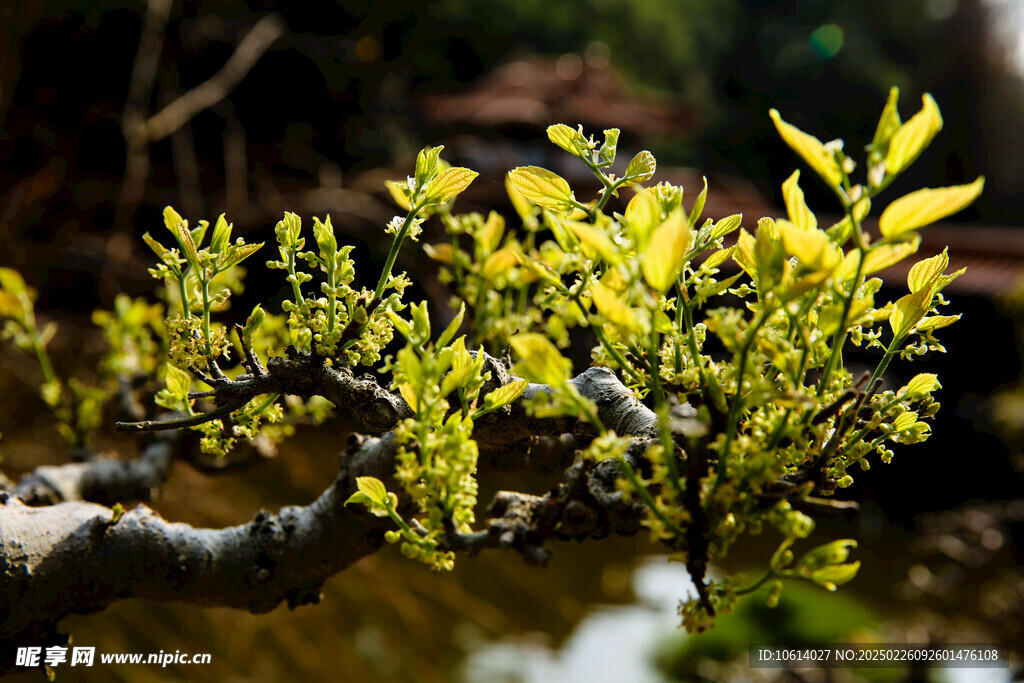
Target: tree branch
100	480
257	41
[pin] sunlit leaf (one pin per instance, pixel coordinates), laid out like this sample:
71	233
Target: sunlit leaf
908	311
888	123
641	168
504	395
489	234
922	385
253	323
594	240
569	139
796	207
606	152
447	184
399	192
936	322
373	488
221	235
612	307
542	187
810	150
911	138
178	381
239	254
880	257
926	206
698	204
499	263
426	164
666	251
925	272
643	214
453	327
541	361
725	226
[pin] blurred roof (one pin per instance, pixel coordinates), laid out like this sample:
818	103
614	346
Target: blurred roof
534	90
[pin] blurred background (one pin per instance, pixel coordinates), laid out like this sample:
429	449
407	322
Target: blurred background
110	111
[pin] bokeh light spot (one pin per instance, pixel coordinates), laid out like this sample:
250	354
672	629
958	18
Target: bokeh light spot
827	40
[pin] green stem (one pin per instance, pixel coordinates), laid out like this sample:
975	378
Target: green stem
184	296
206	319
393	254
737	403
602	338
259	409
331	298
691	341
296	291
606	194
839	339
646	497
757	584
883	364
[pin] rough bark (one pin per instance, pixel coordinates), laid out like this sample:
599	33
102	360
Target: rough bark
72	557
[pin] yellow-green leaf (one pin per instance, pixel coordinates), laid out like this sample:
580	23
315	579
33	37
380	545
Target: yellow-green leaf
172	219
813	248
810	150
922	385
504	395
157	248
878	258
912	137
666	251
612	307
489	235
936	322
841	231
643	213
744	255
426	164
905	421
888	123
698	205
594	240
409	394
442	253
926	206
725	226
542	187
178	382
499	263
641	168
717	258
239	254
541	361
523	207
447	184
569	139
908	311
454	379
373	488
925	272
399	192
188	246
221	235
796	207
453	327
